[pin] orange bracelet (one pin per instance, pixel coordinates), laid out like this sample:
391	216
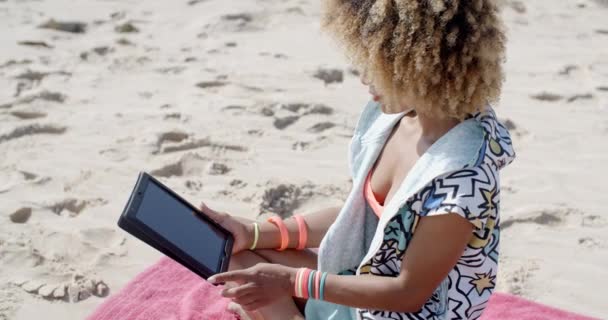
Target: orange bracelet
303	232
283	230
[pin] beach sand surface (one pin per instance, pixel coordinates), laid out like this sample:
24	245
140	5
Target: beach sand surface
248	106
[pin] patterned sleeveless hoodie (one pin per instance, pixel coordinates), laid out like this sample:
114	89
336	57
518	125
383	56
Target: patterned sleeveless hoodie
458	174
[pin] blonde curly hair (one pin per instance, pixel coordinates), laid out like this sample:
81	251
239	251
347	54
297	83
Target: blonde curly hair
445	56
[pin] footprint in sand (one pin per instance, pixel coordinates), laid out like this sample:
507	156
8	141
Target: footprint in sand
581	96
37	76
114	154
300	108
176	140
33	43
568	69
589	243
255	132
237	183
547	96
216	169
64	26
32	129
234	109
319	109
593	221
330	75
28	175
27	115
238	22
175	136
321	126
46	96
212	84
317	143
188	165
517	6
173	116
13	62
56	265
554	217
513	128
83	176
284	199
79	289
73	207
545	218
127	27
284	122
22	215
193	185
516	281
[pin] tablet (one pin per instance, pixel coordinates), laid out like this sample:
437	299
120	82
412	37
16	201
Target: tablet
159	217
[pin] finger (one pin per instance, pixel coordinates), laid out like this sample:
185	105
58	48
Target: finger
238	276
239	291
216	216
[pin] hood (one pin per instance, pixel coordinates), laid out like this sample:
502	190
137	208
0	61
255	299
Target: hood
498	147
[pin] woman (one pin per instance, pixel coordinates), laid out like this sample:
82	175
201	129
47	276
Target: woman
417	237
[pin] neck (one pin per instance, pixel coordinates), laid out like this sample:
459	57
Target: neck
431	128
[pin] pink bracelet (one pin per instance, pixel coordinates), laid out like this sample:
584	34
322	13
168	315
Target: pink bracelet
303	232
317	285
304	283
283	230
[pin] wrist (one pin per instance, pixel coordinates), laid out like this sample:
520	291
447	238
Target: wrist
250	233
270	237
292	272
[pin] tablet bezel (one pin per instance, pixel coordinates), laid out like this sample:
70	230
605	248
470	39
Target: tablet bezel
130	223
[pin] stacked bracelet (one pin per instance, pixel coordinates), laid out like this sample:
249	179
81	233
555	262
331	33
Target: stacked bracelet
302	232
309	284
283	230
256	235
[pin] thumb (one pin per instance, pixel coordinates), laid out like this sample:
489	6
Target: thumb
210	212
238	276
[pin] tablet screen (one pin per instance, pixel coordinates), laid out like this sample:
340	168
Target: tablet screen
178	224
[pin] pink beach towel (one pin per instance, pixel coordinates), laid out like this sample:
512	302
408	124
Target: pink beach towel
168	291
506	306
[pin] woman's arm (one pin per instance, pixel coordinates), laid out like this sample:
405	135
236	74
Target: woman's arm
270	238
436	246
318	223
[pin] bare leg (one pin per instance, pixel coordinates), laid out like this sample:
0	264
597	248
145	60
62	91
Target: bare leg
287	307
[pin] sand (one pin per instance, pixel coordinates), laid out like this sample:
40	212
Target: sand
246	105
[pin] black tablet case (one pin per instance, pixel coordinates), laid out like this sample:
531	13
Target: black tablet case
125	224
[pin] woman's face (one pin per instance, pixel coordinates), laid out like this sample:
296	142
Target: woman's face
377	96
365	81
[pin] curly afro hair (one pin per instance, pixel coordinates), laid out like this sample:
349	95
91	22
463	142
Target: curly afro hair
445	56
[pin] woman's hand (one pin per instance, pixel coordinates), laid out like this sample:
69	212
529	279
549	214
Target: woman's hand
241	230
259	285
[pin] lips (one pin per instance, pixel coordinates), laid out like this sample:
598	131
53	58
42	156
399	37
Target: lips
374	95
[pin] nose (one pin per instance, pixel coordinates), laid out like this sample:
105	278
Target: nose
364	78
